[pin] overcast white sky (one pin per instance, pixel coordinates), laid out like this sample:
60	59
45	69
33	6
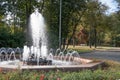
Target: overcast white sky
112	5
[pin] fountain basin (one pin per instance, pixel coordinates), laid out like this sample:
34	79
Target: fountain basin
41	62
18	65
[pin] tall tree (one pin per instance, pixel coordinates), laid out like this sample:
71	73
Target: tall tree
92	18
71	17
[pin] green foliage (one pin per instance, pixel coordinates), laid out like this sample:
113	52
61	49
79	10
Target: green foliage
10	39
92	20
71	15
51	14
80	75
88	13
4	35
117	40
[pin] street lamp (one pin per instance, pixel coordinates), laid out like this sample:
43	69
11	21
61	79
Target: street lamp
60	24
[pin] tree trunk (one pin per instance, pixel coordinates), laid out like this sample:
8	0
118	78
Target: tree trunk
73	42
63	43
74	29
90	44
95	38
41	9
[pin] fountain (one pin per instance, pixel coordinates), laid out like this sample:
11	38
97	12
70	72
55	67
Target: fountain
37	56
37	53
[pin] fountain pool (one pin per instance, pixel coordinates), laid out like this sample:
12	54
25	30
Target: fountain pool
68	62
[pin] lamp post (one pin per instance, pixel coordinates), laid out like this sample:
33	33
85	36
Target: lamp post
60	24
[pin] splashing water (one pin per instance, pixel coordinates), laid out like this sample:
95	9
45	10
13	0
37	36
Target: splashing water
38	34
39	39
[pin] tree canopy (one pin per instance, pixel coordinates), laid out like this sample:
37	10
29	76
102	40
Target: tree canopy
80	18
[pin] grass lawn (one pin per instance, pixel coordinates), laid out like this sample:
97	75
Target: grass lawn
81	49
85	49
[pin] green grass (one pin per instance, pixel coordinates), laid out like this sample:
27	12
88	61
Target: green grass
81	49
86	49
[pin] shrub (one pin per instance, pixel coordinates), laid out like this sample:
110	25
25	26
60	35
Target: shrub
81	75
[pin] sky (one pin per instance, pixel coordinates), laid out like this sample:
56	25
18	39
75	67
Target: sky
112	4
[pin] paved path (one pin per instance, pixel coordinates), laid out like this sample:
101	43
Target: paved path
106	55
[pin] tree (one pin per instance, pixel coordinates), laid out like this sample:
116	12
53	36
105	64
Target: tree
72	14
92	19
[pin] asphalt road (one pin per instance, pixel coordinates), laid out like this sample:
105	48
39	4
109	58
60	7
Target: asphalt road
106	55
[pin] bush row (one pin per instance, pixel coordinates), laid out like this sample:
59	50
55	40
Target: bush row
58	75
